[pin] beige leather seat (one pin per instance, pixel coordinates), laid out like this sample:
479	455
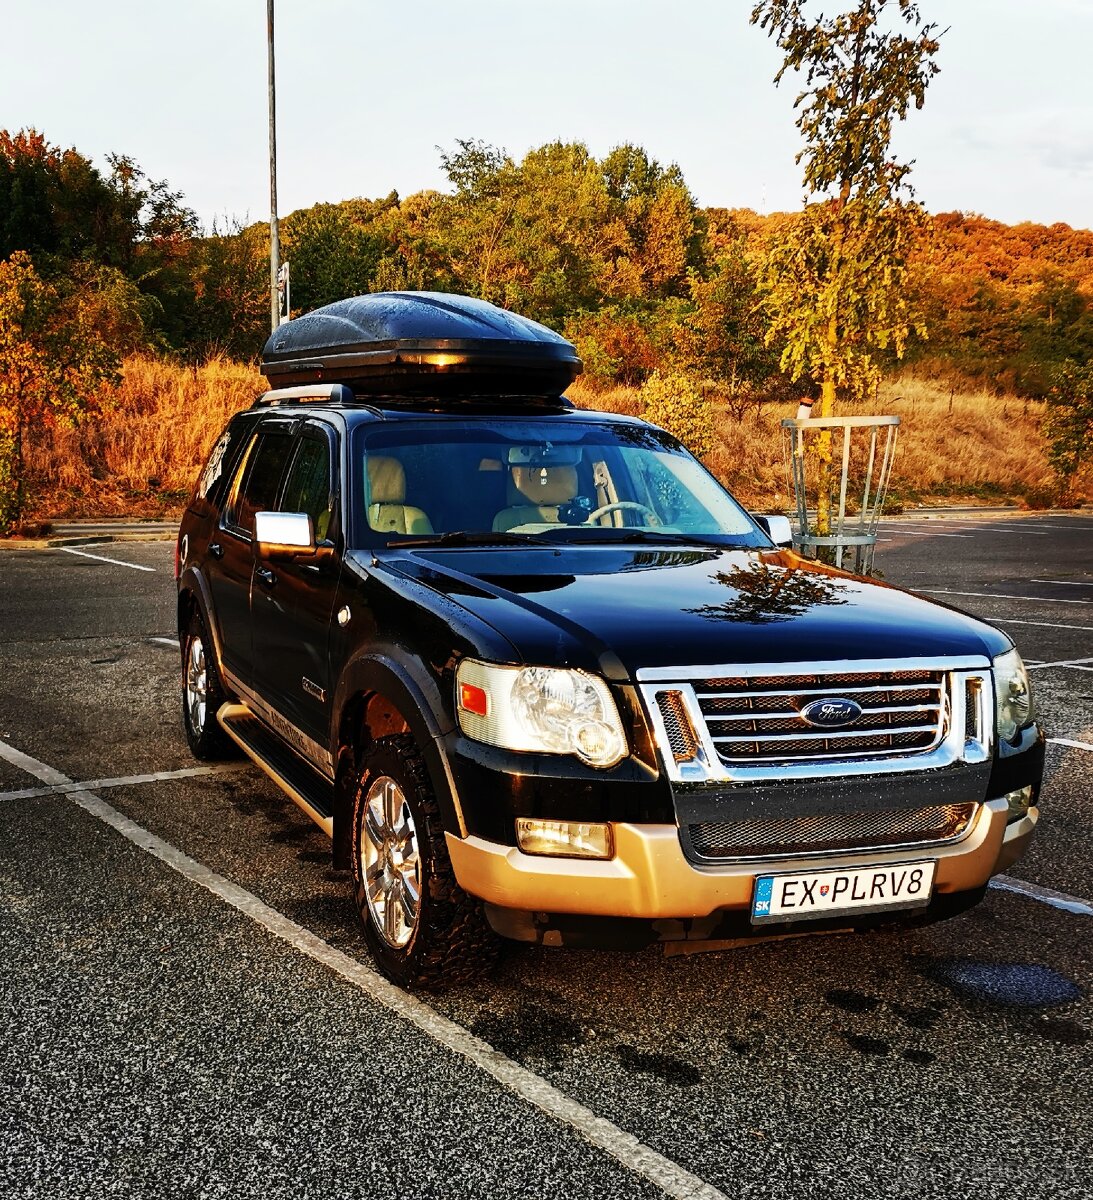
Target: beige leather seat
387	491
534	496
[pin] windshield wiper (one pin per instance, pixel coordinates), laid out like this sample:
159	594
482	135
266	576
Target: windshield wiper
583	533
464	537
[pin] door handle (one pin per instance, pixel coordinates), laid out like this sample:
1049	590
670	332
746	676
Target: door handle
216	550
266	576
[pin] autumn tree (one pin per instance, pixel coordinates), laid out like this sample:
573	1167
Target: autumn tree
835	284
53	359
835	281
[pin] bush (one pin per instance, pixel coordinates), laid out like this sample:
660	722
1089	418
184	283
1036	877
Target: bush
675	402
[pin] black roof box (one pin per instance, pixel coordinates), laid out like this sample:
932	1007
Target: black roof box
415	343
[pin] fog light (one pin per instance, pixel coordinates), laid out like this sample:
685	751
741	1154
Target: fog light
565	839
1018	802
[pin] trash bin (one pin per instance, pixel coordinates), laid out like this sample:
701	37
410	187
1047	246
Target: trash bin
850	493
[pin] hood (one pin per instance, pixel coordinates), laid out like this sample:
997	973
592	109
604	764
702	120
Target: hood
618	609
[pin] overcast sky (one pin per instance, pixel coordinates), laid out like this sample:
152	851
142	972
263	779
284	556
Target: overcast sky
368	91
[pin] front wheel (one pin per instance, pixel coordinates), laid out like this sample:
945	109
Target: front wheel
423	929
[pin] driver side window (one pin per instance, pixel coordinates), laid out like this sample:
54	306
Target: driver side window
308	487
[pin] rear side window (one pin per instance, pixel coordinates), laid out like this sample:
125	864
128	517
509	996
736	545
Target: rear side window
258	478
211	481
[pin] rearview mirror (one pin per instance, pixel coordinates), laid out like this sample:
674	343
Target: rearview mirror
546	455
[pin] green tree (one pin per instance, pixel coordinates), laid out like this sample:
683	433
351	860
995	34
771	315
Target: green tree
53	360
531	237
414	257
332	254
655	230
58	207
723	336
229	310
1057	326
1068	423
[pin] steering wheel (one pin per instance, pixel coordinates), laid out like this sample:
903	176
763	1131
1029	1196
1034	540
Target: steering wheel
617	505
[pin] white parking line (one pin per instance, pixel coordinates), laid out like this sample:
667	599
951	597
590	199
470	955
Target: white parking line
172	642
1063	527
1044	624
926	533
63	789
1060	900
1014	531
636	1156
1002	596
1070	742
1064	582
102	558
1068	662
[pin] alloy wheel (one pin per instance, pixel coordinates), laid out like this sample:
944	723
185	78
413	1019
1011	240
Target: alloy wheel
196	685
390	862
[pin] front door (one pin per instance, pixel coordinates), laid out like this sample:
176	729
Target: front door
292	603
230	564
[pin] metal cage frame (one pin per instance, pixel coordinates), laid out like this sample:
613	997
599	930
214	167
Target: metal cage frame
854	539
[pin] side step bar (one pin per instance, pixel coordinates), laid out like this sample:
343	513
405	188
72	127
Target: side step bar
303	785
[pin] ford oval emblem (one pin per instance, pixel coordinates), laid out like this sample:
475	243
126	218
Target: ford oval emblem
831	712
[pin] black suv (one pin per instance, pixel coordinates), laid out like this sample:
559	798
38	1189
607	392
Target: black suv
538	676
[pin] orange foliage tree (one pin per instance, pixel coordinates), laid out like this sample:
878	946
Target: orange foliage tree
53	360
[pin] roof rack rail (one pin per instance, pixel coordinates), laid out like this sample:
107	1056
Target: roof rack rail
332	393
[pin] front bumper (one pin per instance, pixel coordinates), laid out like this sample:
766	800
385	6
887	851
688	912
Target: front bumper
650	878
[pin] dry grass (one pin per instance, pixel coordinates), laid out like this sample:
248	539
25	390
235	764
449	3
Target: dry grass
141	455
953	446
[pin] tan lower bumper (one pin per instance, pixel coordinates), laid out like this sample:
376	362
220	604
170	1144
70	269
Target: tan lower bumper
650	877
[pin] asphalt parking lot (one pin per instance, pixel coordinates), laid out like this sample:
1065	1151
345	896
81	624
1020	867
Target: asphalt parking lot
188	1008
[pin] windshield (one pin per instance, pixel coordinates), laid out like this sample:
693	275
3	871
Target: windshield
549	481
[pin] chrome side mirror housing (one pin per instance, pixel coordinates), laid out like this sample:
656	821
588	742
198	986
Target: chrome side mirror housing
284	535
778	529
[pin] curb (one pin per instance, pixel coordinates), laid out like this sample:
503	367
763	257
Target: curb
98	539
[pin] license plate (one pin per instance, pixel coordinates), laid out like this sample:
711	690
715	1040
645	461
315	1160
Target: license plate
816	894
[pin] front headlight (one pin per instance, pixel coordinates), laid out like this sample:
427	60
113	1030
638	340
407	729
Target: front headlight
540	708
1012	695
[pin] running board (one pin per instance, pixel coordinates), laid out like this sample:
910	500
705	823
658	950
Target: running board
303	785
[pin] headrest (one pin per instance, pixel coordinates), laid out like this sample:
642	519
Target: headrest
386	480
542	485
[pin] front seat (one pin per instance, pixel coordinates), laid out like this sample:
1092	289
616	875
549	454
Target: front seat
534	496
386	493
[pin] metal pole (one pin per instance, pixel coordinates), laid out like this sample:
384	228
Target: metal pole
274	231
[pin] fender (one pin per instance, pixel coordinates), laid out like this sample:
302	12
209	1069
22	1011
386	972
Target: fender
194	581
392	672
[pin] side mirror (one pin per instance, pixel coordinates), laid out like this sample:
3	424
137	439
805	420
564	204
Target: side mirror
778	529
280	535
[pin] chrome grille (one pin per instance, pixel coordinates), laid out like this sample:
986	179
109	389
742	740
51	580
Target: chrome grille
784	837
677	725
758	719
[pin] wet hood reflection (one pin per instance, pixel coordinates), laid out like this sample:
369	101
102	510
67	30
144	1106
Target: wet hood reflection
649	607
